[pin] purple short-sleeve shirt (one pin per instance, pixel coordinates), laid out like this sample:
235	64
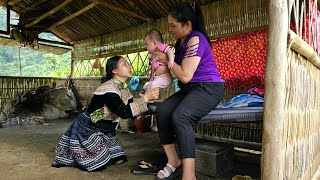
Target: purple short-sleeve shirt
207	70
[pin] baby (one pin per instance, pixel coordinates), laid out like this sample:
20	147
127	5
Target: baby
160	73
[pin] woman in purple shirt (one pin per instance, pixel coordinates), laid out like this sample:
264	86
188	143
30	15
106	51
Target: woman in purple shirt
201	89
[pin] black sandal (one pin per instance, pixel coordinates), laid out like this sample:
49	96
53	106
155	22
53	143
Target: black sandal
142	162
144	168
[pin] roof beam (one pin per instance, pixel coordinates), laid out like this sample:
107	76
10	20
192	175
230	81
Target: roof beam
13	2
36	21
120	9
90	6
54	42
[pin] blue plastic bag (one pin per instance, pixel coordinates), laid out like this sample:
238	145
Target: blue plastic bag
245	100
134	84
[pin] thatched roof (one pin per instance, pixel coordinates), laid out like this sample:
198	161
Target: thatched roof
74	20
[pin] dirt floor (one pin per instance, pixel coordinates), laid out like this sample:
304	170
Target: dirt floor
26	152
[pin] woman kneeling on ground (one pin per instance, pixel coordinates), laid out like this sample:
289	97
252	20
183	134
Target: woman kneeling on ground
90	142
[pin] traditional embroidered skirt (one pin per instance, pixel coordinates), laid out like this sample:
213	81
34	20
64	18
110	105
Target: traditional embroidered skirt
87	147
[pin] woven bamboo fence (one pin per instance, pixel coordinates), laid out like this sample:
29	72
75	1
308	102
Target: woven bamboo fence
223	18
291	135
12	86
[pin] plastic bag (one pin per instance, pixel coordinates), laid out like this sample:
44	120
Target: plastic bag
134	84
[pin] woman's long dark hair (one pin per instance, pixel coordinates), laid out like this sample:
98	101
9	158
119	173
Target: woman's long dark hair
110	66
184	12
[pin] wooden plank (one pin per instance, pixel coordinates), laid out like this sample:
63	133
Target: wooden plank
72	64
273	155
36	21
54	42
54	46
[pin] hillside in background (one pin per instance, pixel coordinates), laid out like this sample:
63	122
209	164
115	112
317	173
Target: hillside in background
33	63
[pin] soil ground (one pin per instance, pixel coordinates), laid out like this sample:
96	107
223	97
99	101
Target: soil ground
26	152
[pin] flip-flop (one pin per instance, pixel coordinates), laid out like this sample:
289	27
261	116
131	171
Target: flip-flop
175	172
142	162
143	169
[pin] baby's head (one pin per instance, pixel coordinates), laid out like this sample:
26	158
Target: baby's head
152	39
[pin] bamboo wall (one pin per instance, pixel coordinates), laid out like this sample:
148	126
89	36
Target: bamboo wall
12	86
222	18
297	141
85	87
291	136
301	135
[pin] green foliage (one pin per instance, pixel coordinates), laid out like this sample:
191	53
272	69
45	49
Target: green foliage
33	63
59	65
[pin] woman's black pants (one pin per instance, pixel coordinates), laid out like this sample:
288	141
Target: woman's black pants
176	115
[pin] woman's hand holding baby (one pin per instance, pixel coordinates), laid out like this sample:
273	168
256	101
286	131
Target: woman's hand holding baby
160	56
151	94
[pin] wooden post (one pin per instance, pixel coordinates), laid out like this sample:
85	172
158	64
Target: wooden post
8	19
20	68
72	63
273	154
